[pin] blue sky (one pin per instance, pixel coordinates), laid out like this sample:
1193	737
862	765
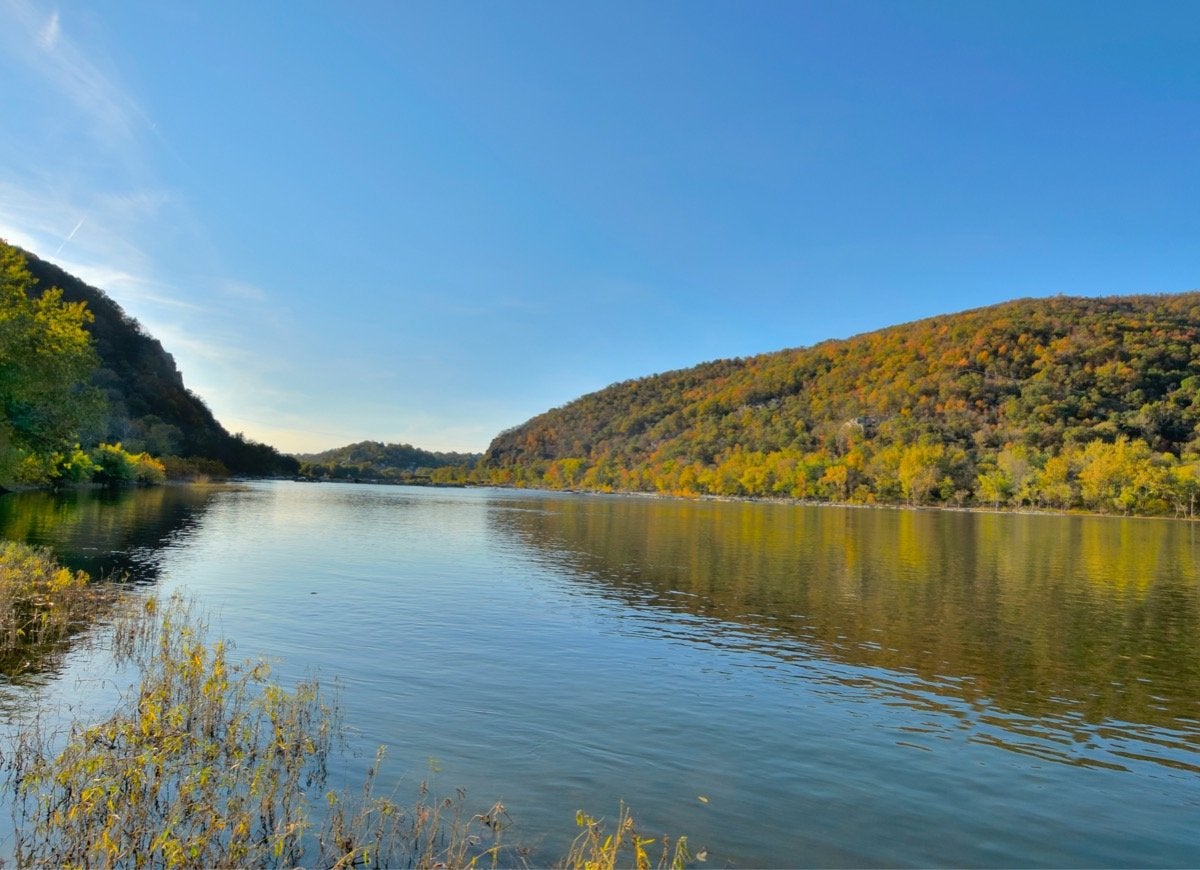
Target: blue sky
427	222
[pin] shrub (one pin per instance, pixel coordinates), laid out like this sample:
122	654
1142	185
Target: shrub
73	466
116	466
41	602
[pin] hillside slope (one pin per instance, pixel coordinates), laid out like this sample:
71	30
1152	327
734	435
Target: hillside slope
148	406
994	405
375	460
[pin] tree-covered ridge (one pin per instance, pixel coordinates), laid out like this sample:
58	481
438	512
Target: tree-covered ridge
146	406
373	460
1064	402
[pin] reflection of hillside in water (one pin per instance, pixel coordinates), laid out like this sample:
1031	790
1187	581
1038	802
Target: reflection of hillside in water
107	534
104	532
1020	618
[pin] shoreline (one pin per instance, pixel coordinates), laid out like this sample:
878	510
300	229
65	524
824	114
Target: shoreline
796	502
752	499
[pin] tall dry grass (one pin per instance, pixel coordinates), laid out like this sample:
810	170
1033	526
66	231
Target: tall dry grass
42	604
208	762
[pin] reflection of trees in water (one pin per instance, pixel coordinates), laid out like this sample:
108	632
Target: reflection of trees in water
107	534
1081	618
104	532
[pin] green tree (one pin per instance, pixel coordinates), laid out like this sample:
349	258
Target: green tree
46	357
920	469
1056	483
1185	478
1108	473
1018	464
994	486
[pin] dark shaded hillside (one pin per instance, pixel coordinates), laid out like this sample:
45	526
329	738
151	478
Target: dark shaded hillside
148	406
375	460
917	412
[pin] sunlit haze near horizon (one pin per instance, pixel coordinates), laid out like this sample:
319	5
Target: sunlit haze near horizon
426	222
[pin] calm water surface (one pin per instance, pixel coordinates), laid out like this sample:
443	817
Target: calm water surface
842	686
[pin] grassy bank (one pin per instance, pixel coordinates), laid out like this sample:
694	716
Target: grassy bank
208	762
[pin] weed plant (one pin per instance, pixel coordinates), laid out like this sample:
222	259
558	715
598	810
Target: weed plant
597	849
41	605
207	762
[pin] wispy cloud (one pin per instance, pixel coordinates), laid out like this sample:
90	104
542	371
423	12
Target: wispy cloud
83	188
48	38
205	350
90	236
78	176
240	290
87	180
40	40
131	289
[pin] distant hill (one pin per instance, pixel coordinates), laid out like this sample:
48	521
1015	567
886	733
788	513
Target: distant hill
372	460
148	406
1064	402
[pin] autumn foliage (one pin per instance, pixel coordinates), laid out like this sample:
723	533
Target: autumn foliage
1061	403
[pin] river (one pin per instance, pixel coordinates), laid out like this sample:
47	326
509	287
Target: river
787	685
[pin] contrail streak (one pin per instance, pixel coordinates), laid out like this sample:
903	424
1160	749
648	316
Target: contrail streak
71	236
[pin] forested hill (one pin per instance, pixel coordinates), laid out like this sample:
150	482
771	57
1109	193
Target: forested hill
374	460
1065	402
147	406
